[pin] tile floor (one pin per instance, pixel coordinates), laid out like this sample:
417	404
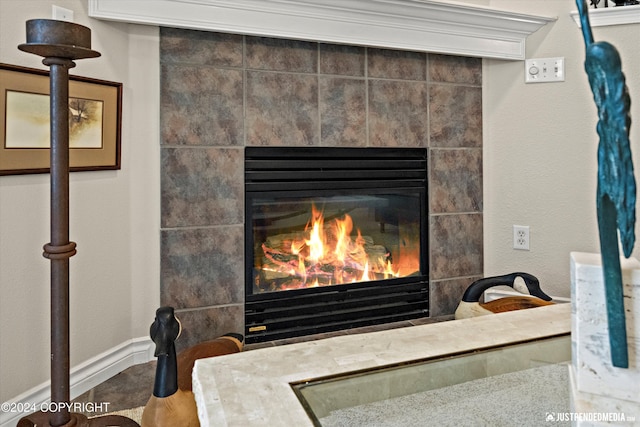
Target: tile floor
132	387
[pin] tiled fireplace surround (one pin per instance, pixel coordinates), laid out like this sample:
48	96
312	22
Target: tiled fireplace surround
222	92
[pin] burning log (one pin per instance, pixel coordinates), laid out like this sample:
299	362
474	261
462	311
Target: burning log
280	262
321	255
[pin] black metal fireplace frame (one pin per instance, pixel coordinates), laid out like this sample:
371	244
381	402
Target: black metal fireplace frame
270	171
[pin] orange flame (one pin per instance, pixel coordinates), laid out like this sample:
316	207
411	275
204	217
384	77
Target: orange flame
323	256
316	241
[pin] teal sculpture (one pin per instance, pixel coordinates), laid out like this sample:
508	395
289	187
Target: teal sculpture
616	193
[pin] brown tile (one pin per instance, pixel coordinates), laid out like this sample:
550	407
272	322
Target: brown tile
202	267
432	319
396	64
455	183
455	116
455	69
264	53
200	47
209	323
342	59
445	295
129	389
398	114
259	345
456	245
193	113
201	187
282	109
343	112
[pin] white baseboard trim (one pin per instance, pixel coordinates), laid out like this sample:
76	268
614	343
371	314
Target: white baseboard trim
86	375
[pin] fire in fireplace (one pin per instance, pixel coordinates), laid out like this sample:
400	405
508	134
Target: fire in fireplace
335	238
324	253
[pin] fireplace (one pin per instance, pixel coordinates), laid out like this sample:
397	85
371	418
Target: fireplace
335	238
286	93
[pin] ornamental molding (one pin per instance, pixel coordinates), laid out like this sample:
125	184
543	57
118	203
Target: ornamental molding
418	25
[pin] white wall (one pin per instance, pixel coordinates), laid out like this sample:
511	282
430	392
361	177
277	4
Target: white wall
114	214
540	144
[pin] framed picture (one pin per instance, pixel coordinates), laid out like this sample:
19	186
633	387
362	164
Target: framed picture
95	118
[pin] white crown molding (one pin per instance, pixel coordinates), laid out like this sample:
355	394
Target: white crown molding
420	25
86	375
602	17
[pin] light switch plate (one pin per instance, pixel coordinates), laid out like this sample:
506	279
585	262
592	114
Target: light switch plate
544	70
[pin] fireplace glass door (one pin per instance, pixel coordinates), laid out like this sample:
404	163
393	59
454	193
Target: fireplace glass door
307	242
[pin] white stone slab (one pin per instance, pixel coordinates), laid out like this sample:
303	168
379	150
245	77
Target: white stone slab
252	388
592	369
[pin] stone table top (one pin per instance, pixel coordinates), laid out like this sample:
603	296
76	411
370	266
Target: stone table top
252	388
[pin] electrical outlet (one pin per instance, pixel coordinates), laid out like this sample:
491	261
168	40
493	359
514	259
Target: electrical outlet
521	237
61	14
544	70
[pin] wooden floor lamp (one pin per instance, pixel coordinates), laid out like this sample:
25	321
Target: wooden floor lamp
60	43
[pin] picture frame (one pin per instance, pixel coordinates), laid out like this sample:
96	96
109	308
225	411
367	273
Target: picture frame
95	122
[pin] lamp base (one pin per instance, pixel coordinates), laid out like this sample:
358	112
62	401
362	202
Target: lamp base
41	419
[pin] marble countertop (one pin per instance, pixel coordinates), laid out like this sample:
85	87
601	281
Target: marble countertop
252	388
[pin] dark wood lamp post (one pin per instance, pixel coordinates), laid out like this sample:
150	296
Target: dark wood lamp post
60	43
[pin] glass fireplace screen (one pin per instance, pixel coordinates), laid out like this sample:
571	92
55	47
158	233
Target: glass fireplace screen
308	242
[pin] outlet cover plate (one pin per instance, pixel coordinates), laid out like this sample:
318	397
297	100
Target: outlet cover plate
61	13
521	237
